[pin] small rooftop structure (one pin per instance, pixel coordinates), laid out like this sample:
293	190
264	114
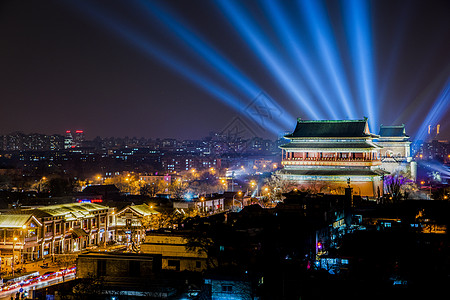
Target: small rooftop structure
397	131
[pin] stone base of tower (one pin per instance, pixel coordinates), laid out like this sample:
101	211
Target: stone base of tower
371	187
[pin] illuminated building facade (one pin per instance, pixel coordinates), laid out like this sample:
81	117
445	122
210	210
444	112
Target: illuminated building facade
325	156
396	150
18	234
129	221
78	138
68	140
73	140
58	229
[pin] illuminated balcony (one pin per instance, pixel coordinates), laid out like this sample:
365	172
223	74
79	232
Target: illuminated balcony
31	239
330	161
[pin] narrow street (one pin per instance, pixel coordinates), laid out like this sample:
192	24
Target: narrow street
27	286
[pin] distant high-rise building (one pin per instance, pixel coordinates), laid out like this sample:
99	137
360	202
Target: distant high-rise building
433	131
56	142
68	140
73	141
78	139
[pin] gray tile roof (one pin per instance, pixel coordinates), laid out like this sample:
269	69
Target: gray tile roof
331	129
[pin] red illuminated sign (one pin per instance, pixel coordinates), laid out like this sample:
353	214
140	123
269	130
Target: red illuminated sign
90	200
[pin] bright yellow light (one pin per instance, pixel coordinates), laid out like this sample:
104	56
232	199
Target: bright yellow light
239	193
422	182
24	226
15	238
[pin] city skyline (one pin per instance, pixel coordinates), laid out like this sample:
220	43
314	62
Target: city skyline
174	69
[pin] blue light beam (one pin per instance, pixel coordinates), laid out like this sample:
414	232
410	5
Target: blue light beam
216	62
320	30
261	46
151	50
360	40
294	46
438	109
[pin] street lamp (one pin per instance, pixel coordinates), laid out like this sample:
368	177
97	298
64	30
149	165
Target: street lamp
234	199
24	228
202	203
13	257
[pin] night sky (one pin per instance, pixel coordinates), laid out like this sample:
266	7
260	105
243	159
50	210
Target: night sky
124	68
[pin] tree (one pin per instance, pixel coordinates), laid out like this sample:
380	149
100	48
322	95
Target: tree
61	186
41	185
169	218
91	287
5	182
202	244
398	186
441	194
152	188
277	185
178	188
129	183
223	245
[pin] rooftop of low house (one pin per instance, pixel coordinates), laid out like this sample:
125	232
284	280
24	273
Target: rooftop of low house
13	221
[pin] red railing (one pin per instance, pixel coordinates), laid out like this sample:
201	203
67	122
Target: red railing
329	159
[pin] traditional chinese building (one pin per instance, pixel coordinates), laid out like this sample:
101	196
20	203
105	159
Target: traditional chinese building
396	150
326	156
18	236
129	223
56	229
